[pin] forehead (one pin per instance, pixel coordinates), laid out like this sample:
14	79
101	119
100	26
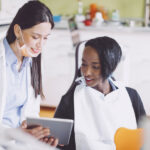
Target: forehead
90	54
43	28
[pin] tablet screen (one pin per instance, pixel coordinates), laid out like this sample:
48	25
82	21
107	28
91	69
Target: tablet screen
59	128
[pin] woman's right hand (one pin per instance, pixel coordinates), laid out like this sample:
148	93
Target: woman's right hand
38	132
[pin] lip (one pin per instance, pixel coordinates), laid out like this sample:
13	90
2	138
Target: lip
35	51
88	80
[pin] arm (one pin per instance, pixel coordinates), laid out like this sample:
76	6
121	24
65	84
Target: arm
61	111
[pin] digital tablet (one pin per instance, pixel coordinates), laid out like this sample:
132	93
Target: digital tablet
59	128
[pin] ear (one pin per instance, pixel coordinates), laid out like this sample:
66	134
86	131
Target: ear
17	31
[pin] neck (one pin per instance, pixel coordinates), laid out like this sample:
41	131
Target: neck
104	87
16	51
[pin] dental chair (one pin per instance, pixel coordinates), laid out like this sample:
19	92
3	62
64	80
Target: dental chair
128	139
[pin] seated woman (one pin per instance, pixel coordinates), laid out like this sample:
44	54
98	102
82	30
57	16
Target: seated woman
98	104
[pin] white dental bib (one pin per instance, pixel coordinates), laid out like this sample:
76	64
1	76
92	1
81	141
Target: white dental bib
97	117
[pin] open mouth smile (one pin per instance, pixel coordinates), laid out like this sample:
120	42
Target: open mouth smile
88	80
35	50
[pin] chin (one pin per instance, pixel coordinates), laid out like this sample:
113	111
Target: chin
31	54
34	55
90	85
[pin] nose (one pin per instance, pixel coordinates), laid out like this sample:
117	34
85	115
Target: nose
40	43
88	71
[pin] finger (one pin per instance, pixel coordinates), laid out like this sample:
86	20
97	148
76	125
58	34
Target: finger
55	142
42	139
45	139
46	131
36	130
43	133
51	139
33	131
61	145
24	124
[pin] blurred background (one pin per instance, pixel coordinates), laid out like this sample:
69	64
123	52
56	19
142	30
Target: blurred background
127	21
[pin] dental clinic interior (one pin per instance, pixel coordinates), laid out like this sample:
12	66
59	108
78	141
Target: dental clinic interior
127	21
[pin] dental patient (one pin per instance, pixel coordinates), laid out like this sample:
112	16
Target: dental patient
98	104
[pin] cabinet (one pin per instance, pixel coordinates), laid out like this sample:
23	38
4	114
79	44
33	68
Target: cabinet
58	66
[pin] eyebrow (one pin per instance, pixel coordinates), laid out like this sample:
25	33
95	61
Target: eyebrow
92	62
95	63
40	34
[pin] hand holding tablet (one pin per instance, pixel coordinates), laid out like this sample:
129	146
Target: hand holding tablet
59	128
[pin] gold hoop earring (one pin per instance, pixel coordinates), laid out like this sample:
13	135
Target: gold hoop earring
18	38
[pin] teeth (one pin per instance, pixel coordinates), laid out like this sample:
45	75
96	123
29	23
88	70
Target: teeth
88	79
35	50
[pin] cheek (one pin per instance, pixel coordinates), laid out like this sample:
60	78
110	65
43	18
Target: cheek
81	70
31	42
44	42
98	74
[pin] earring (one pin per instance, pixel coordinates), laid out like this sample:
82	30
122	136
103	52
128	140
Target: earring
17	38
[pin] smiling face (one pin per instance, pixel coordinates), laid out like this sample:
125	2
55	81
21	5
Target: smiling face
91	67
33	39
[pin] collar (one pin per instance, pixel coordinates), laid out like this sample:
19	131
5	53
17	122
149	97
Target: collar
81	80
9	54
11	57
113	87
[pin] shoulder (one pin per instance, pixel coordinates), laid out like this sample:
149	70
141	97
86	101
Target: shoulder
65	108
135	98
133	94
131	90
2	49
68	97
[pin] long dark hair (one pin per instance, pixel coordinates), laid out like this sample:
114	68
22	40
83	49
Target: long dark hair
30	14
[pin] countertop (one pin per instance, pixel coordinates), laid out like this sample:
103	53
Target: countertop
117	28
63	24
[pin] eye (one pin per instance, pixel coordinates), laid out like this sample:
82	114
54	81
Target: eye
35	37
83	65
45	38
96	67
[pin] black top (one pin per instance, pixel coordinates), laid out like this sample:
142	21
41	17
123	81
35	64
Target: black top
65	110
